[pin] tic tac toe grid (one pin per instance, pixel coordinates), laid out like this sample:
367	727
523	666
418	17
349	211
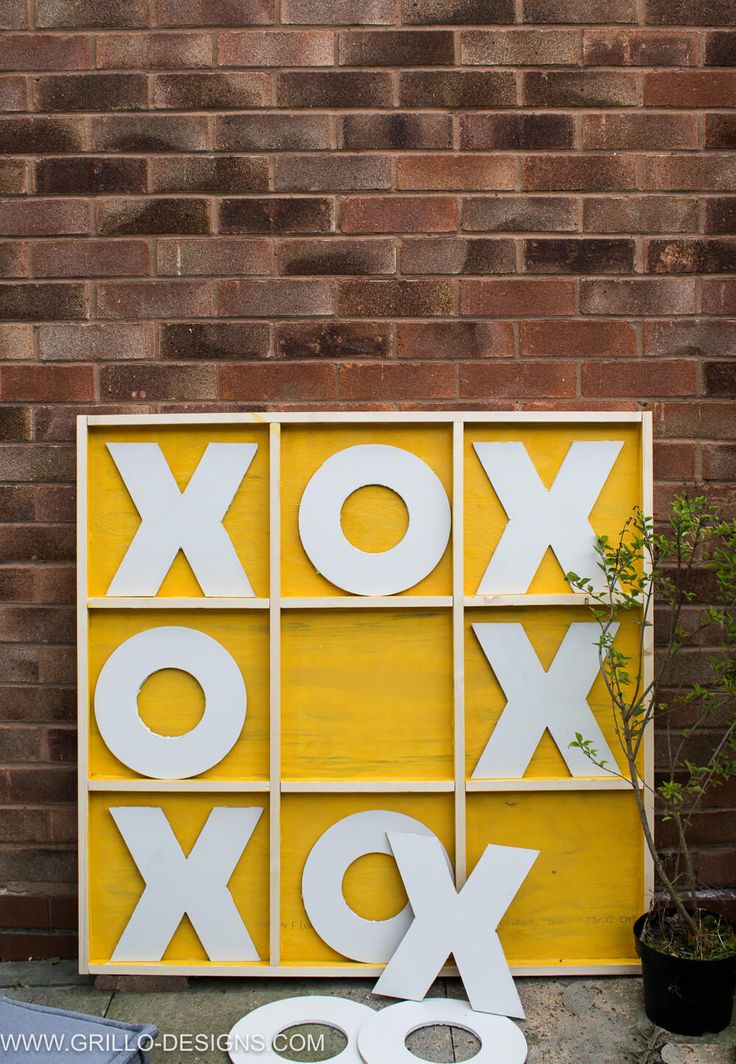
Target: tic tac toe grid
357	702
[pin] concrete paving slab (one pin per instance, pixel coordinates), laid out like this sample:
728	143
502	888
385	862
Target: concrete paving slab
41	973
73	998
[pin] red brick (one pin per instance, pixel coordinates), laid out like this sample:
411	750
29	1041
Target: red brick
519	48
33	543
451	255
119	217
209	173
42	784
154	299
153	51
455	340
44	383
278	382
520	214
43	302
580	88
19	745
340	339
315	173
719	462
264	48
632	132
457	88
690	172
42	51
217	90
691	256
720	48
13	176
588	173
90	174
141	984
719	297
39	136
41	217
457	12
719	378
56	504
635	48
214	342
690	338
577	339
402	299
13	94
640	297
550	11
392	381
16	585
275	299
701	420
336	89
92	258
690	12
158	383
91	92
640	214
276	215
512	380
13	259
23	910
720	131
95	343
517	298
273	132
15	423
336	256
398	214
400	48
674	461
150	133
480	132
720	215
215	12
14	16
17	504
339	12
697	88
51	14
16	342
447	172
579	256
384	132
215	256
641	378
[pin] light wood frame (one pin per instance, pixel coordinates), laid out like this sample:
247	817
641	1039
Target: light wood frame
459	787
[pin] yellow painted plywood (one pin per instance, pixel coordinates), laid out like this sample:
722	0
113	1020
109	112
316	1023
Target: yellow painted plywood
114	519
374	518
485	700
367	694
585	889
372	885
171	701
115	885
547	445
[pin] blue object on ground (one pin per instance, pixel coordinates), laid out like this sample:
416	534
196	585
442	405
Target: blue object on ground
36	1034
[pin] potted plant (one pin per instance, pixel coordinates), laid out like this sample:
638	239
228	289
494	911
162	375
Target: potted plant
688	953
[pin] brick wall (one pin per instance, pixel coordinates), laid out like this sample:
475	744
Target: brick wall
219	204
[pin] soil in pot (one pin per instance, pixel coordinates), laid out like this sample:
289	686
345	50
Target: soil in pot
687	994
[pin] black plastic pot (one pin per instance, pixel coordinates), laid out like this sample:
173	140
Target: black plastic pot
686	996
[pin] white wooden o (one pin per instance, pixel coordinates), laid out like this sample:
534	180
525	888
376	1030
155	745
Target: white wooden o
371	941
167	756
251	1039
383	1035
385	572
